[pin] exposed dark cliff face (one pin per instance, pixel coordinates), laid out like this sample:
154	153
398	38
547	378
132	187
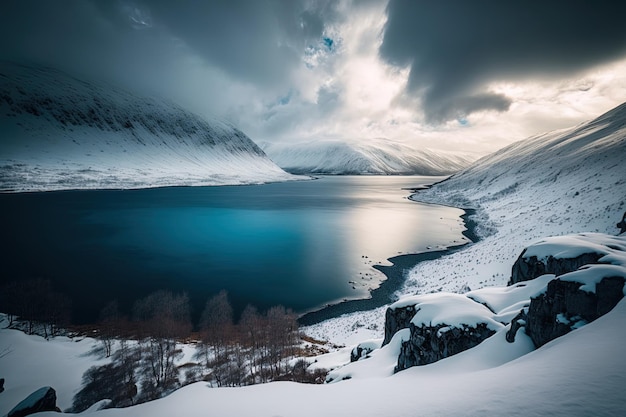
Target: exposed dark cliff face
397	319
564	307
525	269
429	344
622	224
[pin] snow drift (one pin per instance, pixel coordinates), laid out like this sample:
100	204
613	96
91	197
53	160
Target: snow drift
59	132
378	156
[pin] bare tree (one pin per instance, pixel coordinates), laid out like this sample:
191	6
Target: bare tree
55	312
251	334
114	381
217	332
127	358
9	294
30	301
110	319
164	318
36	304
282	330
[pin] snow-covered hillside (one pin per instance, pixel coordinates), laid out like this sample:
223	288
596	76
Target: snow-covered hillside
563	182
379	156
59	132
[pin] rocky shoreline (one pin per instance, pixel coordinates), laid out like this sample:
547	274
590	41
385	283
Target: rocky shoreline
396	275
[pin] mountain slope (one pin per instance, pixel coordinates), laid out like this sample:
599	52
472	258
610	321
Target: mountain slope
59	132
563	182
374	157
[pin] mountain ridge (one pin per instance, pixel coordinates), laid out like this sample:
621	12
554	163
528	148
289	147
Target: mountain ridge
377	156
60	132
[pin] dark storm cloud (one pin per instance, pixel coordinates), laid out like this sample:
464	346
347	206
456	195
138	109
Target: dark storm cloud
144	42
455	47
89	39
258	41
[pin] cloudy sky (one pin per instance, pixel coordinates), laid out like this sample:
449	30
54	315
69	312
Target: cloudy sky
459	75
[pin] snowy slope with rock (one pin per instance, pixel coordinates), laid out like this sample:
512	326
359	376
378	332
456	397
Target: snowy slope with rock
59	132
581	373
564	182
380	156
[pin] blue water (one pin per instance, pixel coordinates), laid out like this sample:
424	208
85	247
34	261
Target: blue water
299	244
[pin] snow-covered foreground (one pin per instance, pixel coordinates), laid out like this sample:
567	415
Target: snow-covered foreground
62	133
380	156
580	374
31	362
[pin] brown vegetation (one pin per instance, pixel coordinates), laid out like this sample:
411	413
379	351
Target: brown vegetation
146	349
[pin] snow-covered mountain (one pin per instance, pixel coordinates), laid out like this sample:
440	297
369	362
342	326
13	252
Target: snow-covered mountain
380	156
563	182
59	132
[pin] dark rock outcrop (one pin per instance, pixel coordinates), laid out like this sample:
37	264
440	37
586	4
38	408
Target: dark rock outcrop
525	269
397	319
429	344
517	323
1	384
564	307
360	352
622	225
44	399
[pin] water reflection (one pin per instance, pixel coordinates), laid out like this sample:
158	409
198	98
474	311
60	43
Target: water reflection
299	244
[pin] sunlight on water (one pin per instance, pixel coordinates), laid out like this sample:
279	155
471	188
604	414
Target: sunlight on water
300	244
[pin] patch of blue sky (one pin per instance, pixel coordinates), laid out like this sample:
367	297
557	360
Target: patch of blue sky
328	42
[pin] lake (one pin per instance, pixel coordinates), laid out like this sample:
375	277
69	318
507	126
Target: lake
301	244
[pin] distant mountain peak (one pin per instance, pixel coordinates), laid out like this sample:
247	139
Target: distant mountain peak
377	156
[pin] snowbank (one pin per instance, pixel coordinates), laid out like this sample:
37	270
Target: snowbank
582	373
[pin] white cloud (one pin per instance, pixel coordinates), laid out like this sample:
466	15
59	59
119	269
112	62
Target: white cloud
368	99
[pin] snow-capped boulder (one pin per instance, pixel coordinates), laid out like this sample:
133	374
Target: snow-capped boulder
363	349
44	399
527	268
592	286
443	325
430	344
562	254
568	304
